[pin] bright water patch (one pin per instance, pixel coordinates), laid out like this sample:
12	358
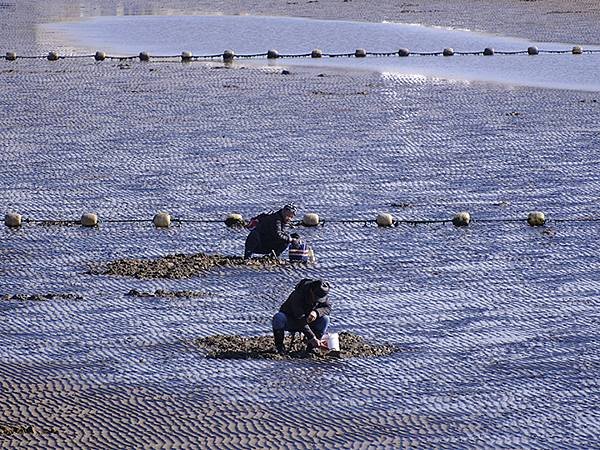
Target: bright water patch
169	35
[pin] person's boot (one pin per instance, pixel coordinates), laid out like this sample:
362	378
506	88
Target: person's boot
278	336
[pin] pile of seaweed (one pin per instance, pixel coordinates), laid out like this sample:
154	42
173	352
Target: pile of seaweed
9	430
167	294
40	297
180	266
261	347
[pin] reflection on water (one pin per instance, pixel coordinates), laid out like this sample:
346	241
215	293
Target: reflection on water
169	35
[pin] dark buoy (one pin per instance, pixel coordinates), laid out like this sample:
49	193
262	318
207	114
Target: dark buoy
89	219
272	54
403	52
144	56
12	220
360	53
316	53
536	219
448	51
11	56
52	56
228	55
533	50
186	56
488	51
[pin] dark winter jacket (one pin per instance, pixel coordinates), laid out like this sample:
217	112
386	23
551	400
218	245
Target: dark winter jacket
271	230
299	305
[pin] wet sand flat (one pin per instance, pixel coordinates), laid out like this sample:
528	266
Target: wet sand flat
495	325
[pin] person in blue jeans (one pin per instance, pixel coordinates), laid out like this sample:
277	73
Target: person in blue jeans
307	311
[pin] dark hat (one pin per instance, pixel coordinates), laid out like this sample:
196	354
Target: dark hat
320	288
291	208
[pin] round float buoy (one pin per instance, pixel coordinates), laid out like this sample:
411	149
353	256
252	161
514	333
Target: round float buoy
403	52
462	219
577	50
448	51
12	220
234	220
186	56
144	56
536	219
384	220
162	220
52	56
272	54
11	56
89	219
100	56
360	53
533	50
316	53
228	55
310	220
488	51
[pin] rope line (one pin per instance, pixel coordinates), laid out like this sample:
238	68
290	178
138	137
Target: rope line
322	222
11	56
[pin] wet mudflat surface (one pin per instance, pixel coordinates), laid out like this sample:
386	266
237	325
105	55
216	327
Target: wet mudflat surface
497	323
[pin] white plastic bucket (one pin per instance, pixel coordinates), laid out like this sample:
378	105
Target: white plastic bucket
333	341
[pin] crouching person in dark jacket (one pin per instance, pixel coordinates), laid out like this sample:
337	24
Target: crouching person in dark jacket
269	233
306	310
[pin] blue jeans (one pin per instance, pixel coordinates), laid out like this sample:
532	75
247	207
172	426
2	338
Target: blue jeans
319	326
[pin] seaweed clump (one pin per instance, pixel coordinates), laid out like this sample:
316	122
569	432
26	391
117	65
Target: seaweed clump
181	266
261	347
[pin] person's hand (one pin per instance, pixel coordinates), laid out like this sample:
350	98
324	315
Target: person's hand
313	343
311	317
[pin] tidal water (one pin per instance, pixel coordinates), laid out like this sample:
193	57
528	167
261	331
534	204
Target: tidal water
170	35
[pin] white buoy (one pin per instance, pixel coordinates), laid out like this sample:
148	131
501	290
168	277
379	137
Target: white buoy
577	50
461	219
310	219
384	220
52	56
316	53
11	56
448	51
488	51
272	54
144	56
100	56
533	50
12	220
228	55
89	219
186	56
403	52
162	220
360	53
536	219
